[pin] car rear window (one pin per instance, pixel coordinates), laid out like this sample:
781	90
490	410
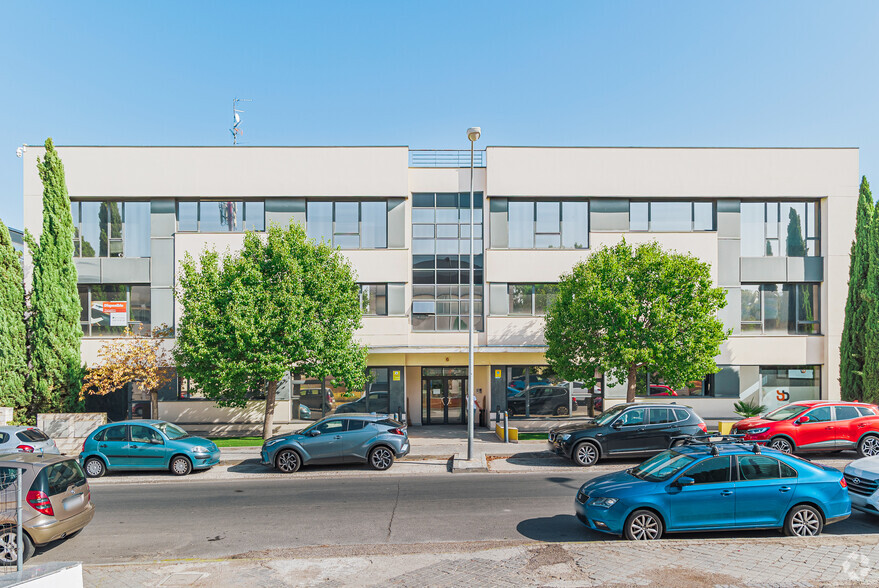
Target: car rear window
4	437
865	411
681	414
60	476
32	435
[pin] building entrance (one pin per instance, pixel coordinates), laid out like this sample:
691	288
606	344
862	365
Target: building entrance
443	398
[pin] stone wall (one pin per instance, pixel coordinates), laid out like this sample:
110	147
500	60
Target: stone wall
69	430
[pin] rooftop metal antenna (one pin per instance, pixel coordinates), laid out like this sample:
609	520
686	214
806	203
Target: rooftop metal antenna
236	120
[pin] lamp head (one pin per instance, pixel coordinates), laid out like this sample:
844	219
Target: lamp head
473	133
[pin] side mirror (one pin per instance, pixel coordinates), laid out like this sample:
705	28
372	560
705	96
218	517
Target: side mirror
313	433
801	420
157	442
617	425
685	481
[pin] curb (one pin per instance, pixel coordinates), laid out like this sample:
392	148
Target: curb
477	465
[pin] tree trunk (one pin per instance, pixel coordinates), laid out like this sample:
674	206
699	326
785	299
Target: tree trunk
268	423
154	404
632	383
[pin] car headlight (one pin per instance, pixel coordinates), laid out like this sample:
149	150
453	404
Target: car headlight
564	437
603	502
200	449
271	442
756	431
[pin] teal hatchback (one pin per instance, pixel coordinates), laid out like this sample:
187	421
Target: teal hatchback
145	445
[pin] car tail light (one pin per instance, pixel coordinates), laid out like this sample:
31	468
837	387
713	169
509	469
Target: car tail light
703	427
843	483
396	431
39	500
27	448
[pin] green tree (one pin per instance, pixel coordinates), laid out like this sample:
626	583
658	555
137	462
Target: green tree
54	332
857	305
871	325
13	338
283	304
628	308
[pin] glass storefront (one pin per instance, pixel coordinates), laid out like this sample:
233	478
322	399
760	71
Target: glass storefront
315	399
535	391
774	386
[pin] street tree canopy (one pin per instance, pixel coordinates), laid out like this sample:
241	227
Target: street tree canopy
282	304
628	308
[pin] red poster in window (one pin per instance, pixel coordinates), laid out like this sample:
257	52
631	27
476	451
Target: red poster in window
108	307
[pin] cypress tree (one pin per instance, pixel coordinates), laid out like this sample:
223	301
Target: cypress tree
55	374
871	326
851	349
13	338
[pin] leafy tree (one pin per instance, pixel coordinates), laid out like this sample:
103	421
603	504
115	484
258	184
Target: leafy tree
284	303
13	337
627	308
54	332
851	349
131	359
871	324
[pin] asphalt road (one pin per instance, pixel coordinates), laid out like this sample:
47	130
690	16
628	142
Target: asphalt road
208	519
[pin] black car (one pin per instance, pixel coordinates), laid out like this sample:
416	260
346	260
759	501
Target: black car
626	429
540	400
375	401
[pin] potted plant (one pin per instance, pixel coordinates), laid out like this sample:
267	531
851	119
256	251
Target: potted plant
748	409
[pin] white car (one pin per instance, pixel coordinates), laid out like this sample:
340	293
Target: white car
862	477
27	439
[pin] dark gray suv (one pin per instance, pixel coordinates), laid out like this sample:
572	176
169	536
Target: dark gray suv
348	438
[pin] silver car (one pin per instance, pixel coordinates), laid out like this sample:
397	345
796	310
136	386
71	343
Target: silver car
27	439
349	438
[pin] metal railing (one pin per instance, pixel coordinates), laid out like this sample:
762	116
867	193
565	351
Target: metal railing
445	158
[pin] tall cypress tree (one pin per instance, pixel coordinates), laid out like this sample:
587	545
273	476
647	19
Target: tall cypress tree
56	372
13	338
871	326
851	349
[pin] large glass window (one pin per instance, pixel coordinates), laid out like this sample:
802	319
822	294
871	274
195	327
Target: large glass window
111	229
374	299
650	384
531	299
317	400
106	310
669	216
548	224
780	309
221	216
349	224
780	385
785	229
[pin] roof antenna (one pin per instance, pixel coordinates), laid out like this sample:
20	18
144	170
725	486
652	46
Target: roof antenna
236	120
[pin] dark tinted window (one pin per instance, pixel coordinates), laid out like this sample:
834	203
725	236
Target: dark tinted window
661	415
33	435
787	471
61	476
710	471
681	414
819	415
355	424
7	476
142	434
865	411
844	413
99	436
118	433
4	437
758	467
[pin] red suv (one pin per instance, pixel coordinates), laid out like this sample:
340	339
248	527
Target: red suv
816	425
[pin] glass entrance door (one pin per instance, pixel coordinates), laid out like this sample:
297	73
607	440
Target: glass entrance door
442	400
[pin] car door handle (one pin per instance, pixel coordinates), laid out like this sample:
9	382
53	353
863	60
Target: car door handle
641	429
337	437
784	489
726	492
862	425
827	428
102	445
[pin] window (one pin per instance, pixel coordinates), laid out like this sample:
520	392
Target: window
819	415
636	416
106	310
547	224
781	385
221	216
32	436
865	411
355	424
330	427
63	475
786	229
648	383
119	433
681	414
713	470
349	224
659	416
667	216
374	299
758	467
531	299
111	229
780	309
142	434
845	413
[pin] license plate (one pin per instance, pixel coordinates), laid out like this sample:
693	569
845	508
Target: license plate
73	502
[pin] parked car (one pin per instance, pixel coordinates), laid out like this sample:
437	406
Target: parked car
710	487
374	439
311	397
374	401
862	477
541	400
662	390
816	425
27	439
626	429
146	445
57	502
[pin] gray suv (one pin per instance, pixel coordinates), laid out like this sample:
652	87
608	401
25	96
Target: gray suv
349	438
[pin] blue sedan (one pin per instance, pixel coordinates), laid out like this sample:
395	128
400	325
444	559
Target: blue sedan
146	445
710	487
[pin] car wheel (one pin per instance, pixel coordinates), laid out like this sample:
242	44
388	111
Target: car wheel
585	454
803	521
781	444
643	525
561	410
381	458
868	446
287	461
9	548
94	467
180	466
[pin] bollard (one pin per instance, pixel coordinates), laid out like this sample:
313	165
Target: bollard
506	429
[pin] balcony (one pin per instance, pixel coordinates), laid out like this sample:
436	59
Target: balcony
445	158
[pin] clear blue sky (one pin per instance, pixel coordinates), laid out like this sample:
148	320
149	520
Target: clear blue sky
683	73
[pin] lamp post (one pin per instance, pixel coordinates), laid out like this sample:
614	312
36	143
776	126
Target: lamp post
473	134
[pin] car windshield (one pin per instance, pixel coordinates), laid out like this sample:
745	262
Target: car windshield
171	431
785	412
662	467
608	416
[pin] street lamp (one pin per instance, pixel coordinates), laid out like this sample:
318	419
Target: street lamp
473	134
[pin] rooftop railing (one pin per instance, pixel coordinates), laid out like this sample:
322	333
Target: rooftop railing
445	158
